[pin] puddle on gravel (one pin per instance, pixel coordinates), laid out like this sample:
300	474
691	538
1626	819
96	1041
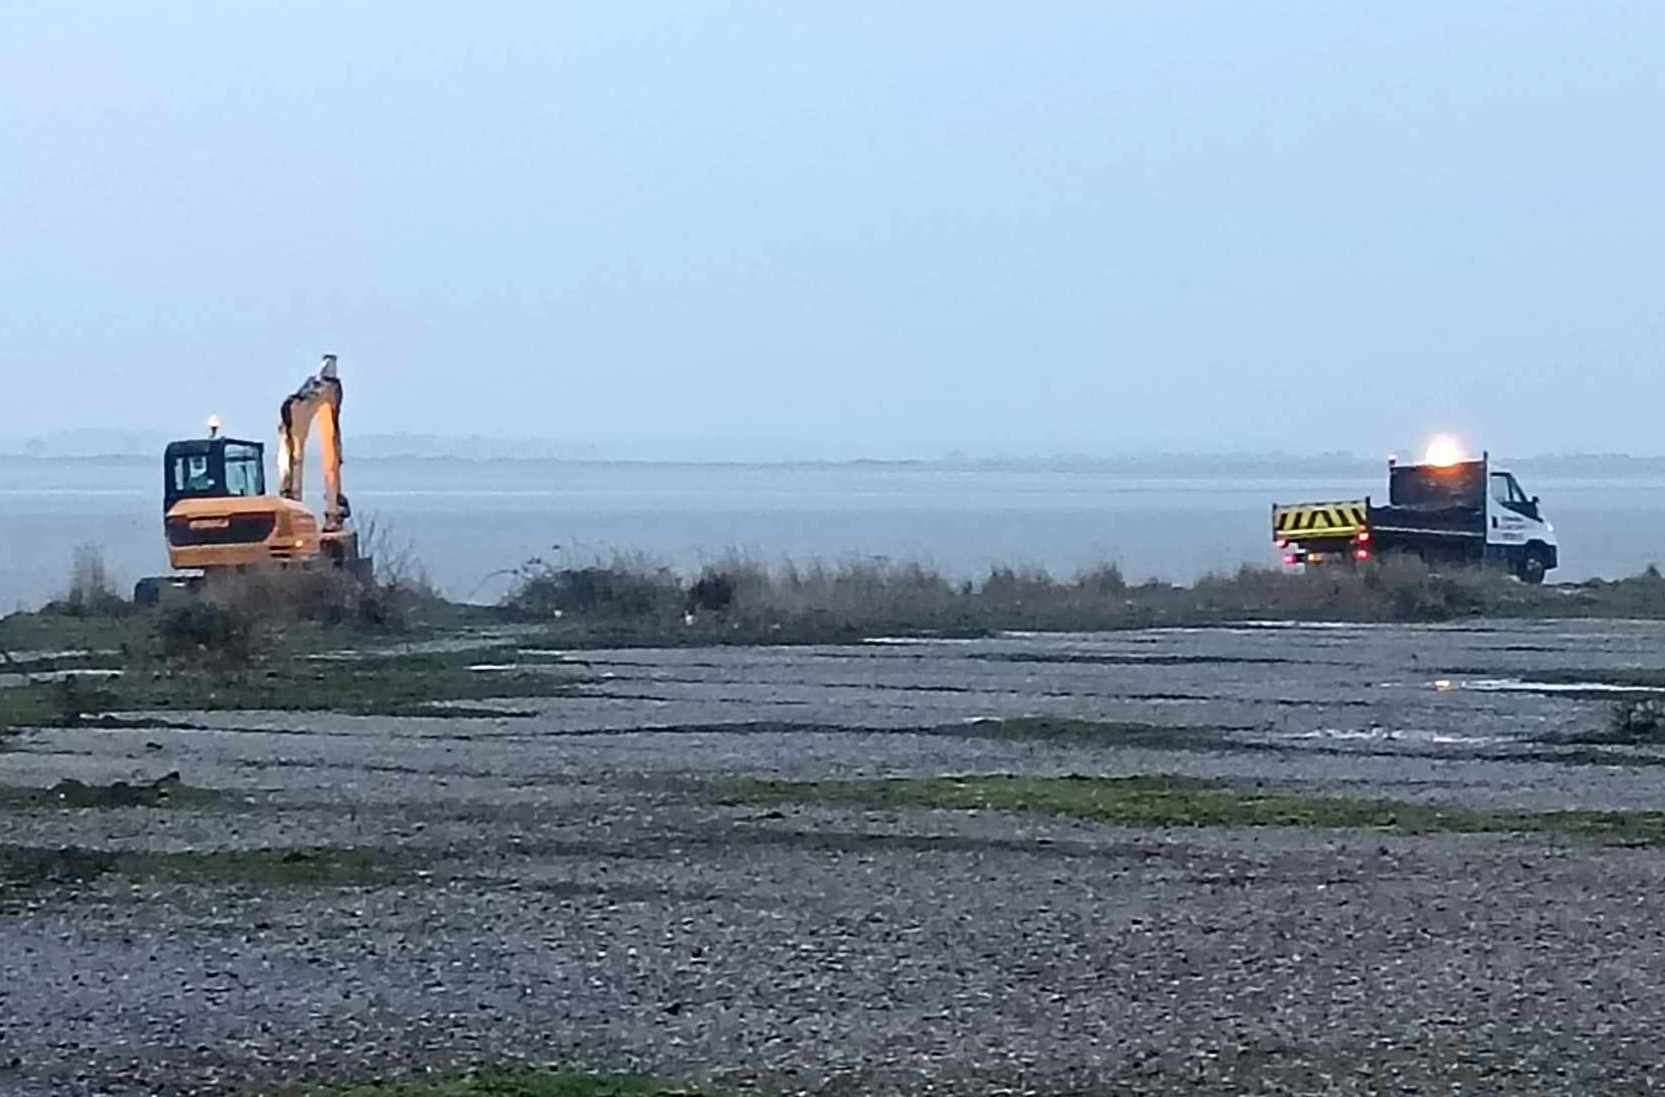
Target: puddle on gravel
1519	685
36	677
65	653
1395	735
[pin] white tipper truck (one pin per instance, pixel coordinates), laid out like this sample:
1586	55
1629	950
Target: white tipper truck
1444	509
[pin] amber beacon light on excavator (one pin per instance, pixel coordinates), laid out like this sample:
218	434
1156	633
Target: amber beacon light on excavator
218	517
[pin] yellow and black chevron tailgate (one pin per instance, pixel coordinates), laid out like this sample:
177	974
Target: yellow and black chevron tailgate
1314	520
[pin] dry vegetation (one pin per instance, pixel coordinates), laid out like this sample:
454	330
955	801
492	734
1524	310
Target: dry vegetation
744	599
1630	722
236	617
230	623
631	599
91	589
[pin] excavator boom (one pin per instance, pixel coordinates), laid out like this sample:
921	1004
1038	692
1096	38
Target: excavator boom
316	402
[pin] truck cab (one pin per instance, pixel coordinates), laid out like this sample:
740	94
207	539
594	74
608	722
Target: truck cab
1517	533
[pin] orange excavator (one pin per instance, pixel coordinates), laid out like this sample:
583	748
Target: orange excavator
218	517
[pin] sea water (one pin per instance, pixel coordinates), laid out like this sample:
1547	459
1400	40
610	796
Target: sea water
469	523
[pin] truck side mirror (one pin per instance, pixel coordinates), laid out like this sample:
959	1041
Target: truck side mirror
1535	500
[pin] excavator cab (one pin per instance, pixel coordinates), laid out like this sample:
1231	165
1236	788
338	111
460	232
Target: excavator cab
217	514
212	468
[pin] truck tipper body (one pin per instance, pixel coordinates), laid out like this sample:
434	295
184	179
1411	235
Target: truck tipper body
1460	511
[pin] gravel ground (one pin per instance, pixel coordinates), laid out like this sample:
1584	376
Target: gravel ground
569	886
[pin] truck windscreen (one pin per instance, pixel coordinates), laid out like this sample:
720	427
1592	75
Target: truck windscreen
1435	487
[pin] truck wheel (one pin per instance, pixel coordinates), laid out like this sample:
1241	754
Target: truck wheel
1532	567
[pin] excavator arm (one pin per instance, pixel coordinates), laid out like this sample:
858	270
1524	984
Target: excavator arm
316	403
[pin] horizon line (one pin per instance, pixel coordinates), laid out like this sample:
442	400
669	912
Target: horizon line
946	459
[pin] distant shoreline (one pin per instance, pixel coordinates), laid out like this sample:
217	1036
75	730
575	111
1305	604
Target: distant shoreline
1158	466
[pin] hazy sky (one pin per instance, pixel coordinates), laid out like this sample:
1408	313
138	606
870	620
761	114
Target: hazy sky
842	228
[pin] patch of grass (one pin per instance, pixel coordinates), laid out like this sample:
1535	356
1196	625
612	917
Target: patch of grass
460	712
167	791
66	701
26	632
391	685
308	867
1641	677
1048	729
508	1083
27	707
22	866
1579	751
1193	739
1163	801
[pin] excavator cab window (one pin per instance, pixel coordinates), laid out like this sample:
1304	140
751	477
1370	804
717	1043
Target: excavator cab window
213	468
190	474
245	469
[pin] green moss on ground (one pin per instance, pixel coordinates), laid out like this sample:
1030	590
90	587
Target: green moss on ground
25	632
1119	733
1163	801
167	792
385	685
22	866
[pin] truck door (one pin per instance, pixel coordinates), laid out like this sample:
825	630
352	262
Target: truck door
1510	515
